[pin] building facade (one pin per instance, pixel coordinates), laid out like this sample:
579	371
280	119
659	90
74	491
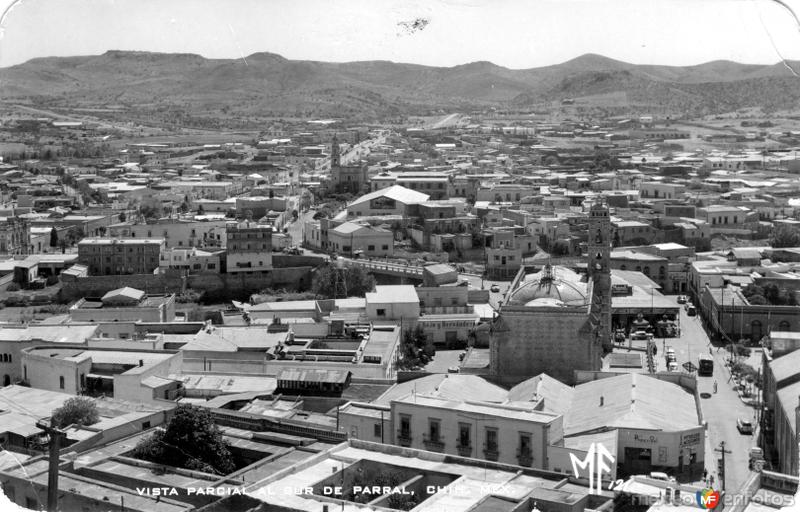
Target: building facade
115	256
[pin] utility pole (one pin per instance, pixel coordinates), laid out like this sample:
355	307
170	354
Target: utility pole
52	473
721	467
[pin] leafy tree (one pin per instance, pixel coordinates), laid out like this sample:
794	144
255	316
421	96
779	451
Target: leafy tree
123	217
74	234
349	281
191	440
53	237
78	410
785	236
415	352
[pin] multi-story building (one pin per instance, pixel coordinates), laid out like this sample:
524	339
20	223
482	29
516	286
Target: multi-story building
15	236
113	256
176	232
249	247
192	260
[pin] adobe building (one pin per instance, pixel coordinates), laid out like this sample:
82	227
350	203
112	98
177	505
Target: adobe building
553	321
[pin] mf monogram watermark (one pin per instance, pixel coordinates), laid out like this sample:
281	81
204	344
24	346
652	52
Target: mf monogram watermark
596	463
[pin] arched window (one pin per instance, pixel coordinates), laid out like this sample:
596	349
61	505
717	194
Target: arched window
784	326
646	271
623	267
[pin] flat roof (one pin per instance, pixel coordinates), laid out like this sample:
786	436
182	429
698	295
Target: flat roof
393	293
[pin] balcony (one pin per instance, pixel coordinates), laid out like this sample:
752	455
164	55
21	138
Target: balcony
404	437
433	444
490	452
464	450
524	457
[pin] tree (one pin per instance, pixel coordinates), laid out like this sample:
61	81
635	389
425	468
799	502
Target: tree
337	283
191	440
78	411
74	234
123	217
54	237
415	352
785	236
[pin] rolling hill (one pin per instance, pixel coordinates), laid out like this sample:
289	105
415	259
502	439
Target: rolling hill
268	84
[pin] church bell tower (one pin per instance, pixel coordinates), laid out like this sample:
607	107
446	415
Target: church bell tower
335	152
599	272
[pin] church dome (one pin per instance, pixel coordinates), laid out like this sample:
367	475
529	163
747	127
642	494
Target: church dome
553	286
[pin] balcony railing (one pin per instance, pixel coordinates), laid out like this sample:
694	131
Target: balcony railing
434	444
524	457
464	450
490	451
404	437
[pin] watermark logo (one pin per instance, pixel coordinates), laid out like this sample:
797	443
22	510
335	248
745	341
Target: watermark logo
707	498
597	462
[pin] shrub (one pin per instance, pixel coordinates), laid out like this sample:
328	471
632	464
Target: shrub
78	411
13	287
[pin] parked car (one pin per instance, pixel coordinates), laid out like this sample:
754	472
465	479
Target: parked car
687	305
744	426
672	366
691	311
681	299
462	355
495	288
453	369
640	335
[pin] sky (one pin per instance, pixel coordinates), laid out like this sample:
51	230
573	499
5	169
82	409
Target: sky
512	33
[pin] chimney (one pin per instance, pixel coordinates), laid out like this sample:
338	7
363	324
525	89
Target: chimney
602	400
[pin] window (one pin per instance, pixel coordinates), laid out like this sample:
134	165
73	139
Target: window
377	430
370	247
524	444
212	266
145	425
434	430
463	434
491	439
61	382
385	247
405	426
380	312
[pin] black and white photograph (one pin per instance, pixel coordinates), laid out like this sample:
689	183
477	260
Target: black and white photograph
399	255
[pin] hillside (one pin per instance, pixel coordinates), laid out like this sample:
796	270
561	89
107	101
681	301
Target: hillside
266	84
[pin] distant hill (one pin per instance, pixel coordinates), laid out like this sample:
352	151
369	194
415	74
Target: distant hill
268	84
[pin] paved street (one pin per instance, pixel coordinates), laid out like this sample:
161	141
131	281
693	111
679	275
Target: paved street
720	410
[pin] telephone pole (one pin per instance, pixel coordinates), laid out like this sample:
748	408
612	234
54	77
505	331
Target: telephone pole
54	447
721	467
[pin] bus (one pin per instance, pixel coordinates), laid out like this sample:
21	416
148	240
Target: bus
705	366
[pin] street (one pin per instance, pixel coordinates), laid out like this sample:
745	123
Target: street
721	409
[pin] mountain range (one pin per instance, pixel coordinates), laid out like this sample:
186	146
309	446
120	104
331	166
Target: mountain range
266	84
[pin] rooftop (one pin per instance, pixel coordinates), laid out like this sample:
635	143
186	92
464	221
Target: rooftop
630	401
395	293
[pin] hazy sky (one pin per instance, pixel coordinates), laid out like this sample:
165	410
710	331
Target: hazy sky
512	33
